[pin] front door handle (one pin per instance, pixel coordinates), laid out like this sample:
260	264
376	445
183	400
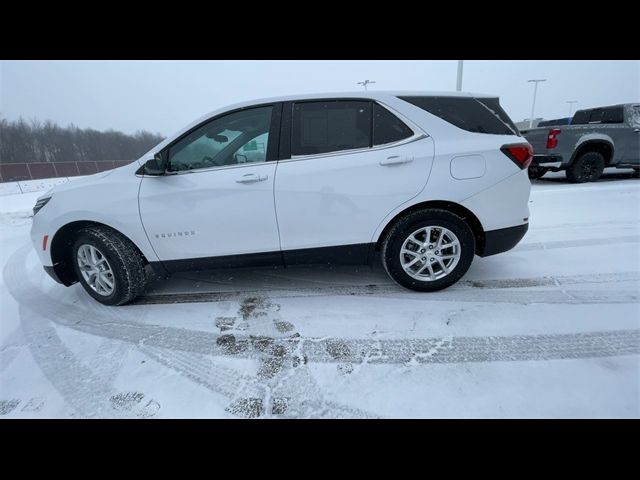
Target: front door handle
396	160
252	178
637	130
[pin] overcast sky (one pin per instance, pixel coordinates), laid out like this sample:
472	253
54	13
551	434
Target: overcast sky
163	96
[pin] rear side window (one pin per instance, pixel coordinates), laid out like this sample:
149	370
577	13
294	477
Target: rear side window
595	116
599	115
388	128
581	117
468	113
613	115
321	127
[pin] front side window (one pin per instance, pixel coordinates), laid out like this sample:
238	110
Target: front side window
255	150
333	126
240	137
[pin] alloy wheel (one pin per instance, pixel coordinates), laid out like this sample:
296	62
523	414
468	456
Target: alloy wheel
430	253
95	270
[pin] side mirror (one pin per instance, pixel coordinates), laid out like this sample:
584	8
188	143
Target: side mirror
153	167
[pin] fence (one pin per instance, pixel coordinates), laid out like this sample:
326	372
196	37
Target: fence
15	172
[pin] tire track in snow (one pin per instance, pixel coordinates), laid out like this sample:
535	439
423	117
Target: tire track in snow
477	349
13	344
289	388
464	290
190	351
291	393
86	390
246	345
559	281
598	225
456	293
580	242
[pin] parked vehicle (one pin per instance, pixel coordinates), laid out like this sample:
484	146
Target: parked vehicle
595	139
423	180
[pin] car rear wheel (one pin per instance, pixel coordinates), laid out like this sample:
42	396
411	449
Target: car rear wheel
428	250
108	265
588	167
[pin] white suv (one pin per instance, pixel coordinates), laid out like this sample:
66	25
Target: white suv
425	180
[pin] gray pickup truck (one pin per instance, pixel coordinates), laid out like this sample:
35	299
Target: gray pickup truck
595	139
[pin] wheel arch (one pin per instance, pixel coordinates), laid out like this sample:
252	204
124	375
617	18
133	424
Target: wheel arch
467	215
61	248
602	145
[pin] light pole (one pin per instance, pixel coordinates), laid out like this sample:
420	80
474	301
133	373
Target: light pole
535	91
365	83
571	102
459	80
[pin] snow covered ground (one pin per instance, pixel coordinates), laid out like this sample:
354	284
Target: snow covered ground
29	186
550	329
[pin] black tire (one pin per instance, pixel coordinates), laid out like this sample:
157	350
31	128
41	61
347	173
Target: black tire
536	172
423	218
125	260
588	167
636	173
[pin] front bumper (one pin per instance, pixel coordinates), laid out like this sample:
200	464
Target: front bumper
498	241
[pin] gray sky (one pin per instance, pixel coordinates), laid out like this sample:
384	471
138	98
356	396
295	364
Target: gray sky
163	96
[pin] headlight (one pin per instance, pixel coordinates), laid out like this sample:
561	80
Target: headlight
40	203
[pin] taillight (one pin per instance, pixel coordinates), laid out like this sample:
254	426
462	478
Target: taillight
552	138
521	154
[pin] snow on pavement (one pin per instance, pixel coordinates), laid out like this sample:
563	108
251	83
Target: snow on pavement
550	329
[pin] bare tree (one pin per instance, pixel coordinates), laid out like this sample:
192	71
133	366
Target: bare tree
36	141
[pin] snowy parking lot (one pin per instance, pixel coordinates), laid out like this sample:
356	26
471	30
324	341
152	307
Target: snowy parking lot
549	329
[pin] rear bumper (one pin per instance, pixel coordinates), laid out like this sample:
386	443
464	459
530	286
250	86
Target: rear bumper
547	161
498	241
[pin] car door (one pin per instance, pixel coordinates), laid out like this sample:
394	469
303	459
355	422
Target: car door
339	181
216	198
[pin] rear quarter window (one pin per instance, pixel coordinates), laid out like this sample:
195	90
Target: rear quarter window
387	128
468	113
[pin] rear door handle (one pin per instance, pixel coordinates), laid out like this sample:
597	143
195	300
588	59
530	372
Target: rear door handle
396	160
252	178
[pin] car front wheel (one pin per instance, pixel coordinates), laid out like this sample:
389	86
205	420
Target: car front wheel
428	250
108	265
